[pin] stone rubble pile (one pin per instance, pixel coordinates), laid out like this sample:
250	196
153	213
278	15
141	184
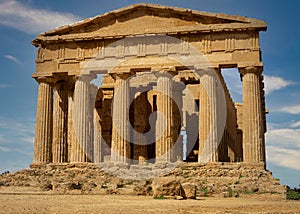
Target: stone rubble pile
190	180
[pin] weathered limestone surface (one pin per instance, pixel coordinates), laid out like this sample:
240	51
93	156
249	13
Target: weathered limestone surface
165	123
60	124
141	125
121	135
72	141
138	90
253	135
188	181
168	62
82	120
98	140
43	138
208	141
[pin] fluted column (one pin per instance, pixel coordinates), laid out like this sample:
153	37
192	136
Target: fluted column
141	115
164	122
82	119
43	133
253	133
98	140
71	131
208	141
60	123
121	132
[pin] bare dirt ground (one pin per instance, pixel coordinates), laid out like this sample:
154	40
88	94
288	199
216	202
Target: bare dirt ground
32	203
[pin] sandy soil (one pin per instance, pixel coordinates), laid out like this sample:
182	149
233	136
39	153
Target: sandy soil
31	203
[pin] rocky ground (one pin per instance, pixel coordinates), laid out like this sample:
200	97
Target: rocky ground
87	188
186	180
32	203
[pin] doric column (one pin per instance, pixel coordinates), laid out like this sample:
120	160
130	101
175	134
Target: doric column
164	122
43	133
253	136
177	118
141	115
82	120
60	123
71	131
208	141
98	140
106	117
120	149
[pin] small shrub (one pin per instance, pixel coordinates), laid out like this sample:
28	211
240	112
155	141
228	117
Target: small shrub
205	191
292	194
249	192
160	197
5	173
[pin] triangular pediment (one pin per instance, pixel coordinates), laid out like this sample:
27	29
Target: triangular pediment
141	19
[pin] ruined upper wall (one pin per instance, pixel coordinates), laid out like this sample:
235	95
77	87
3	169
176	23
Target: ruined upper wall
224	40
143	19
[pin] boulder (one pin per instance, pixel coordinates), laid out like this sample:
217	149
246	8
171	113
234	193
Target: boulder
189	190
166	186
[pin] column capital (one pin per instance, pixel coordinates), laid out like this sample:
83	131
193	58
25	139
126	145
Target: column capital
64	83
45	79
85	77
164	74
251	69
209	71
169	70
121	76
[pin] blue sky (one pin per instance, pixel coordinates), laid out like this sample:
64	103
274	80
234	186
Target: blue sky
21	21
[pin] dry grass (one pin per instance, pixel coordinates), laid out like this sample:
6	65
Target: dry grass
33	203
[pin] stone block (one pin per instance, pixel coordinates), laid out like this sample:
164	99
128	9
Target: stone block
189	190
166	186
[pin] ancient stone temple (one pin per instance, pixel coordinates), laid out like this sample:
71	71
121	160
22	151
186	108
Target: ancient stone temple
144	84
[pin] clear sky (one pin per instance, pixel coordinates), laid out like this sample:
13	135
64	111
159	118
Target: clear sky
21	21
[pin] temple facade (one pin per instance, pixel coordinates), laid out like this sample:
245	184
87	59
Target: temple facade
144	84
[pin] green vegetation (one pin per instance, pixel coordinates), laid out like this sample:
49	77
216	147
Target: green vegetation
205	191
292	194
233	193
185	176
130	183
249	192
160	197
5	173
